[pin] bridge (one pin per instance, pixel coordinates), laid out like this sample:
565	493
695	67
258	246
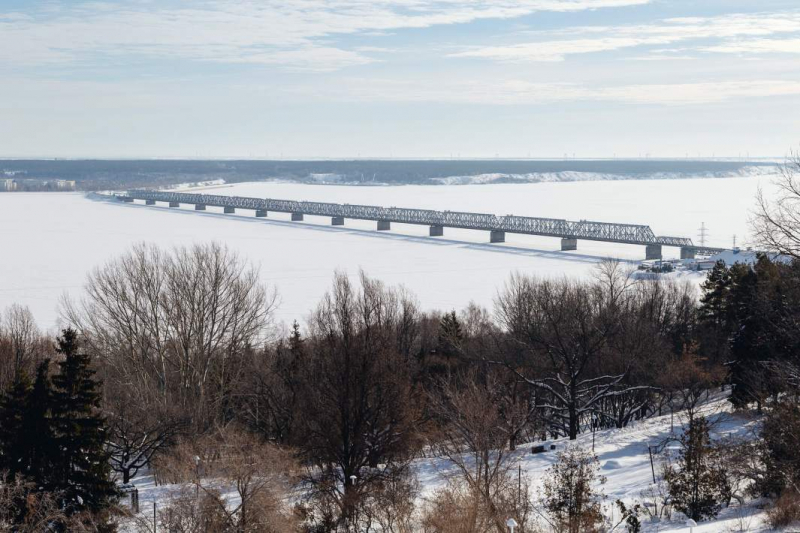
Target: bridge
568	231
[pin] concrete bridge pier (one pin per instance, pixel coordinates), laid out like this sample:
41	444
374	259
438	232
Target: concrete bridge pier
436	231
199	207
229	210
497	235
297	217
653	251
569	244
149	202
174	204
261	213
688	253
337	221
384	225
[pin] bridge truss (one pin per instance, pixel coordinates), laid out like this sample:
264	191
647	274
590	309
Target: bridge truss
548	227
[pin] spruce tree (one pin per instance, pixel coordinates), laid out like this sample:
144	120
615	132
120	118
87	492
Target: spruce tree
37	435
450	335
751	335
81	470
12	416
699	486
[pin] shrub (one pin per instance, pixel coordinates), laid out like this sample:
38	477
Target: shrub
459	508
781	440
785	511
570	499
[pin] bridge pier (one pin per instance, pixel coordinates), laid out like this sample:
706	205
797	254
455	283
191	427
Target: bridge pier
337	221
199	207
261	213
297	217
384	225
149	202
436	231
174	204
653	251
497	235
229	210
569	244
688	253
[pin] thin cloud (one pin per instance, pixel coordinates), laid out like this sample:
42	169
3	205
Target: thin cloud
519	92
228	30
734	33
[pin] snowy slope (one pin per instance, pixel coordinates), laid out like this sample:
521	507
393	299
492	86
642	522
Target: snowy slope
624	460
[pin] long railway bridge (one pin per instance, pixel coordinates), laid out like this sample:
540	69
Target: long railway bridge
568	231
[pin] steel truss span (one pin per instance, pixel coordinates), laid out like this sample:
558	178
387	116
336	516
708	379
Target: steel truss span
548	227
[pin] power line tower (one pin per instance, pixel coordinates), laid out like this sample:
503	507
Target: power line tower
703	234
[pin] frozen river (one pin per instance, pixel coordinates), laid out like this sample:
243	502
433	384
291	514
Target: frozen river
49	241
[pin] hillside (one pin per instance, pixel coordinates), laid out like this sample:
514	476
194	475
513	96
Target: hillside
624	462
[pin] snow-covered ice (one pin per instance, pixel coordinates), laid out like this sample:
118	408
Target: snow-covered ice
49	241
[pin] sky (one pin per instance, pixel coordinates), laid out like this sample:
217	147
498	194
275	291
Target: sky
399	78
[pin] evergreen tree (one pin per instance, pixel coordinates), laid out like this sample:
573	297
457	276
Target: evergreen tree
699	486
754	337
37	430
12	416
570	496
450	335
26	436
81	470
716	290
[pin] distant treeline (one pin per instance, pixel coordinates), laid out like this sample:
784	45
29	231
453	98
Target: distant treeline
107	174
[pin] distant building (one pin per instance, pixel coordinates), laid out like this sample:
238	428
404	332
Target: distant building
66	185
9	185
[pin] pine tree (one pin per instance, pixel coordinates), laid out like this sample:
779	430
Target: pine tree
715	300
81	470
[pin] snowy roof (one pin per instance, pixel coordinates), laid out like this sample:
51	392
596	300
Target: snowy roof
748	257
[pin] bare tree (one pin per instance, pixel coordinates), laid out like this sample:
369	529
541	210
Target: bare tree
776	223
137	429
359	407
472	437
565	328
174	325
21	343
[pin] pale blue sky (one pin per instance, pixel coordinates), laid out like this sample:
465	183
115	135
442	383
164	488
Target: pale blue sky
399	78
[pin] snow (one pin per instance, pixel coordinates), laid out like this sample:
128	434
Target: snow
50	241
623	454
565	176
625	463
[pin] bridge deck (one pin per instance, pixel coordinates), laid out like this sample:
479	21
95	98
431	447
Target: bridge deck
548	227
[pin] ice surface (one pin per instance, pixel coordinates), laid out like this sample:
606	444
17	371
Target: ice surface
49	241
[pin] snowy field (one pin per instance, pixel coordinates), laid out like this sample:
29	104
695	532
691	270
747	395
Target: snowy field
49	241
